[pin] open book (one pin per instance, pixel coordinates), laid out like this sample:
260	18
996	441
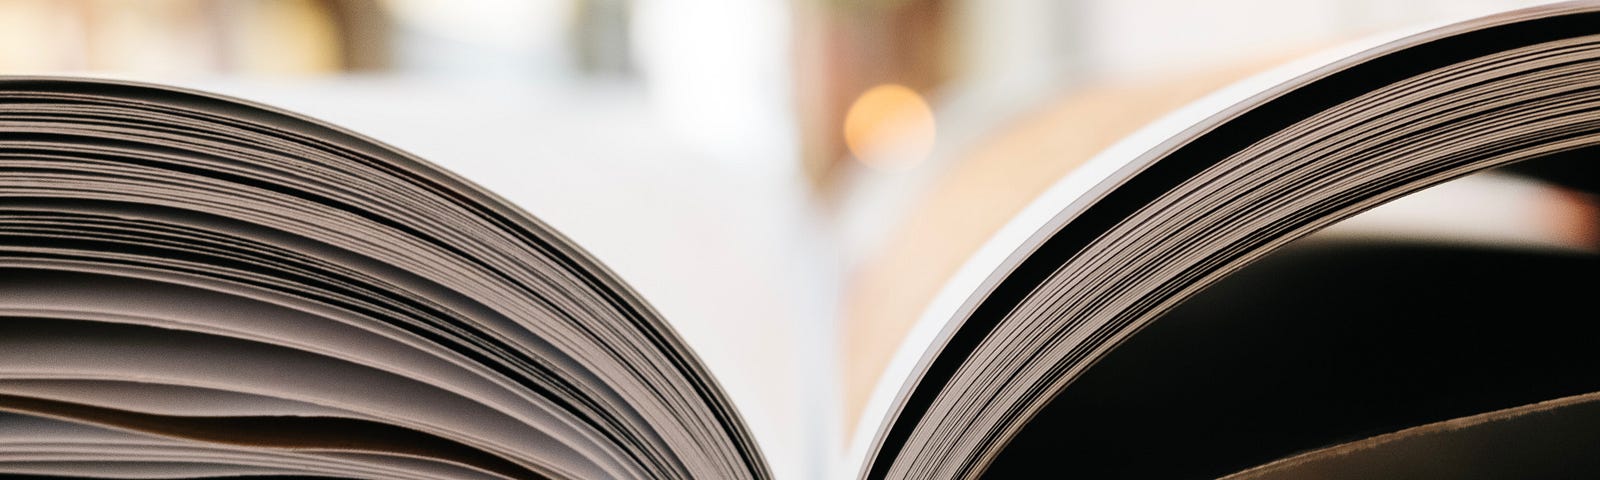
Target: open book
196	286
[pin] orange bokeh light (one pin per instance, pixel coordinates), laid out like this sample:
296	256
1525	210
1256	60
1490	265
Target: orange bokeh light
889	127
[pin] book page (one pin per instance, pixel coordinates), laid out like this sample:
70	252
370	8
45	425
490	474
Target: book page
749	283
270	244
54	445
1550	439
1077	192
1076	187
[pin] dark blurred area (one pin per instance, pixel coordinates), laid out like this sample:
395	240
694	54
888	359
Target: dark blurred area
1328	341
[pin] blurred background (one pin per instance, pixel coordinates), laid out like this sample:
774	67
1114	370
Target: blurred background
788	181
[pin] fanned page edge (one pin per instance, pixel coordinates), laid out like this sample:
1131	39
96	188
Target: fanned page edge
716	395
1448	436
1058	205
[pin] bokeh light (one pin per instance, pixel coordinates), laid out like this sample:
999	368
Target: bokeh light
890	127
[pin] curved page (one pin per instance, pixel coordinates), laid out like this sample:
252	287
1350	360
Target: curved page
1156	219
231	239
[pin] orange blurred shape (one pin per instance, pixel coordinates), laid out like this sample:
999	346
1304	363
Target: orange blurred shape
889	128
